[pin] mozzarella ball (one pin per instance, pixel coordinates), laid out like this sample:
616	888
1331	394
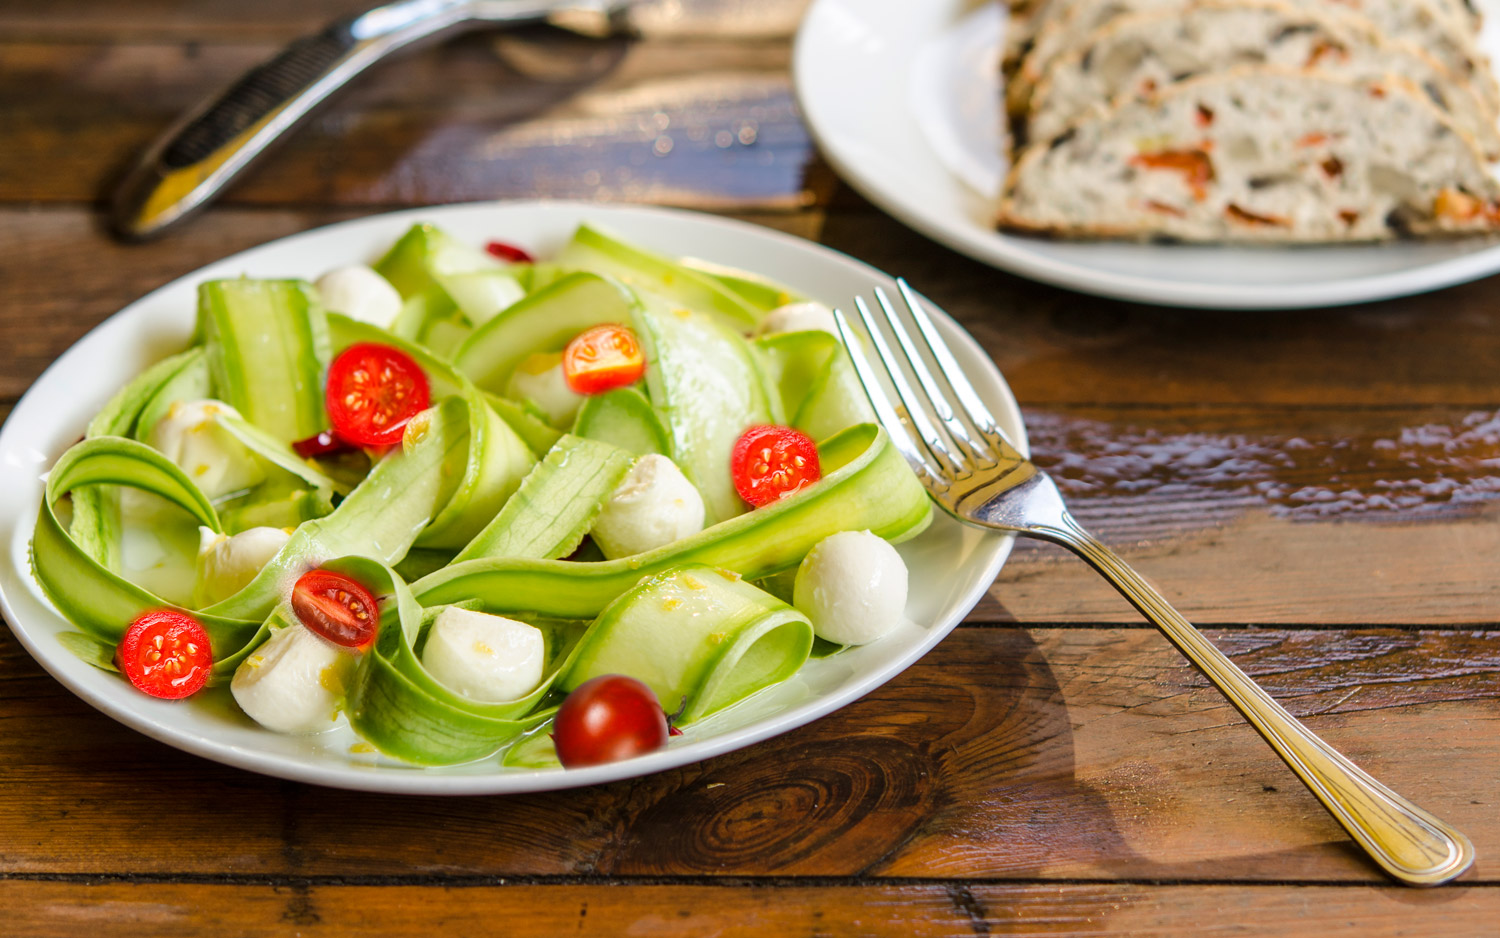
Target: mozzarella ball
191	437
484	657
852	587
360	293
294	683
653	505
799	317
539	379
227	563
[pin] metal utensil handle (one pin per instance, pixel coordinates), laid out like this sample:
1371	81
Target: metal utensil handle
1412	845
221	138
277	83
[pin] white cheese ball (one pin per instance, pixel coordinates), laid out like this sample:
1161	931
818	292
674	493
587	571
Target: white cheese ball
653	505
227	563
852	587
217	463
799	317
294	683
360	293
484	657
539	379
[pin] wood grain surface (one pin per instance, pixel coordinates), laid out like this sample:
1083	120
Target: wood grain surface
1007	752
1318	488
183	910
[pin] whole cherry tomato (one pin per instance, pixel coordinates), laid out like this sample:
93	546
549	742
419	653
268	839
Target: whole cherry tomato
373	390
165	653
606	719
769	462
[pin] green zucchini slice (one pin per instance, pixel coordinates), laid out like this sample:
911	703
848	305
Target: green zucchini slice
700	637
866	485
267	343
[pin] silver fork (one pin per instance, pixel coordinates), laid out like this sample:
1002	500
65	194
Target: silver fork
973	472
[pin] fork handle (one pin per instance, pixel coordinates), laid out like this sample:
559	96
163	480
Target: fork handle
1410	844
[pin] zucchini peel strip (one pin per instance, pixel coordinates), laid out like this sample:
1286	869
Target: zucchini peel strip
867	485
700	637
404	711
91	596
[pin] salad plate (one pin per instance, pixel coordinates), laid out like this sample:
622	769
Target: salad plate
904	100
951	565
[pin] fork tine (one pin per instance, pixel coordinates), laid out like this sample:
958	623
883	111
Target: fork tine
983	420
915	412
885	411
973	451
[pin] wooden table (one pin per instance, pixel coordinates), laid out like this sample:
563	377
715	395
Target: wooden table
1318	489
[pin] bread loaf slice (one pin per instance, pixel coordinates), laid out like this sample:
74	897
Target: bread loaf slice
1140	53
1257	154
1447	38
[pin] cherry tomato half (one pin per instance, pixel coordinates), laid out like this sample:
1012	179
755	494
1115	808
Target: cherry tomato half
509	253
336	607
606	719
165	653
603	358
373	390
769	462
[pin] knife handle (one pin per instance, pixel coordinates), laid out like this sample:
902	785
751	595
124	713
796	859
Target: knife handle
217	141
258	92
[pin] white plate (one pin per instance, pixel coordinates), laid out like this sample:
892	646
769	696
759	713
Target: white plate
903	98
951	566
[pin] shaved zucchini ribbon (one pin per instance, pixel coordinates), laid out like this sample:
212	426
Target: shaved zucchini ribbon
867	485
697	635
103	603
403	710
87	593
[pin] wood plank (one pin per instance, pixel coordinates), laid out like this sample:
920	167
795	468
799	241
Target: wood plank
1266	570
1005	754
540	112
282	20
165	910
1270	515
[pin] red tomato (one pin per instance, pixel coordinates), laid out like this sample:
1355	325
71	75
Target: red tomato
336	607
603	358
326	443
509	252
373	390
769	462
606	719
165	653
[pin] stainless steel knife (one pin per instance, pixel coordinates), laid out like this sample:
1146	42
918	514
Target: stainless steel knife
210	145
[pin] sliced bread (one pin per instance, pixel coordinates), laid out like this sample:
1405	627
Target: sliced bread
1445	36
1257	154
1138	54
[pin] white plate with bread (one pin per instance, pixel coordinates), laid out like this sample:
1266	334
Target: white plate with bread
1229	154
